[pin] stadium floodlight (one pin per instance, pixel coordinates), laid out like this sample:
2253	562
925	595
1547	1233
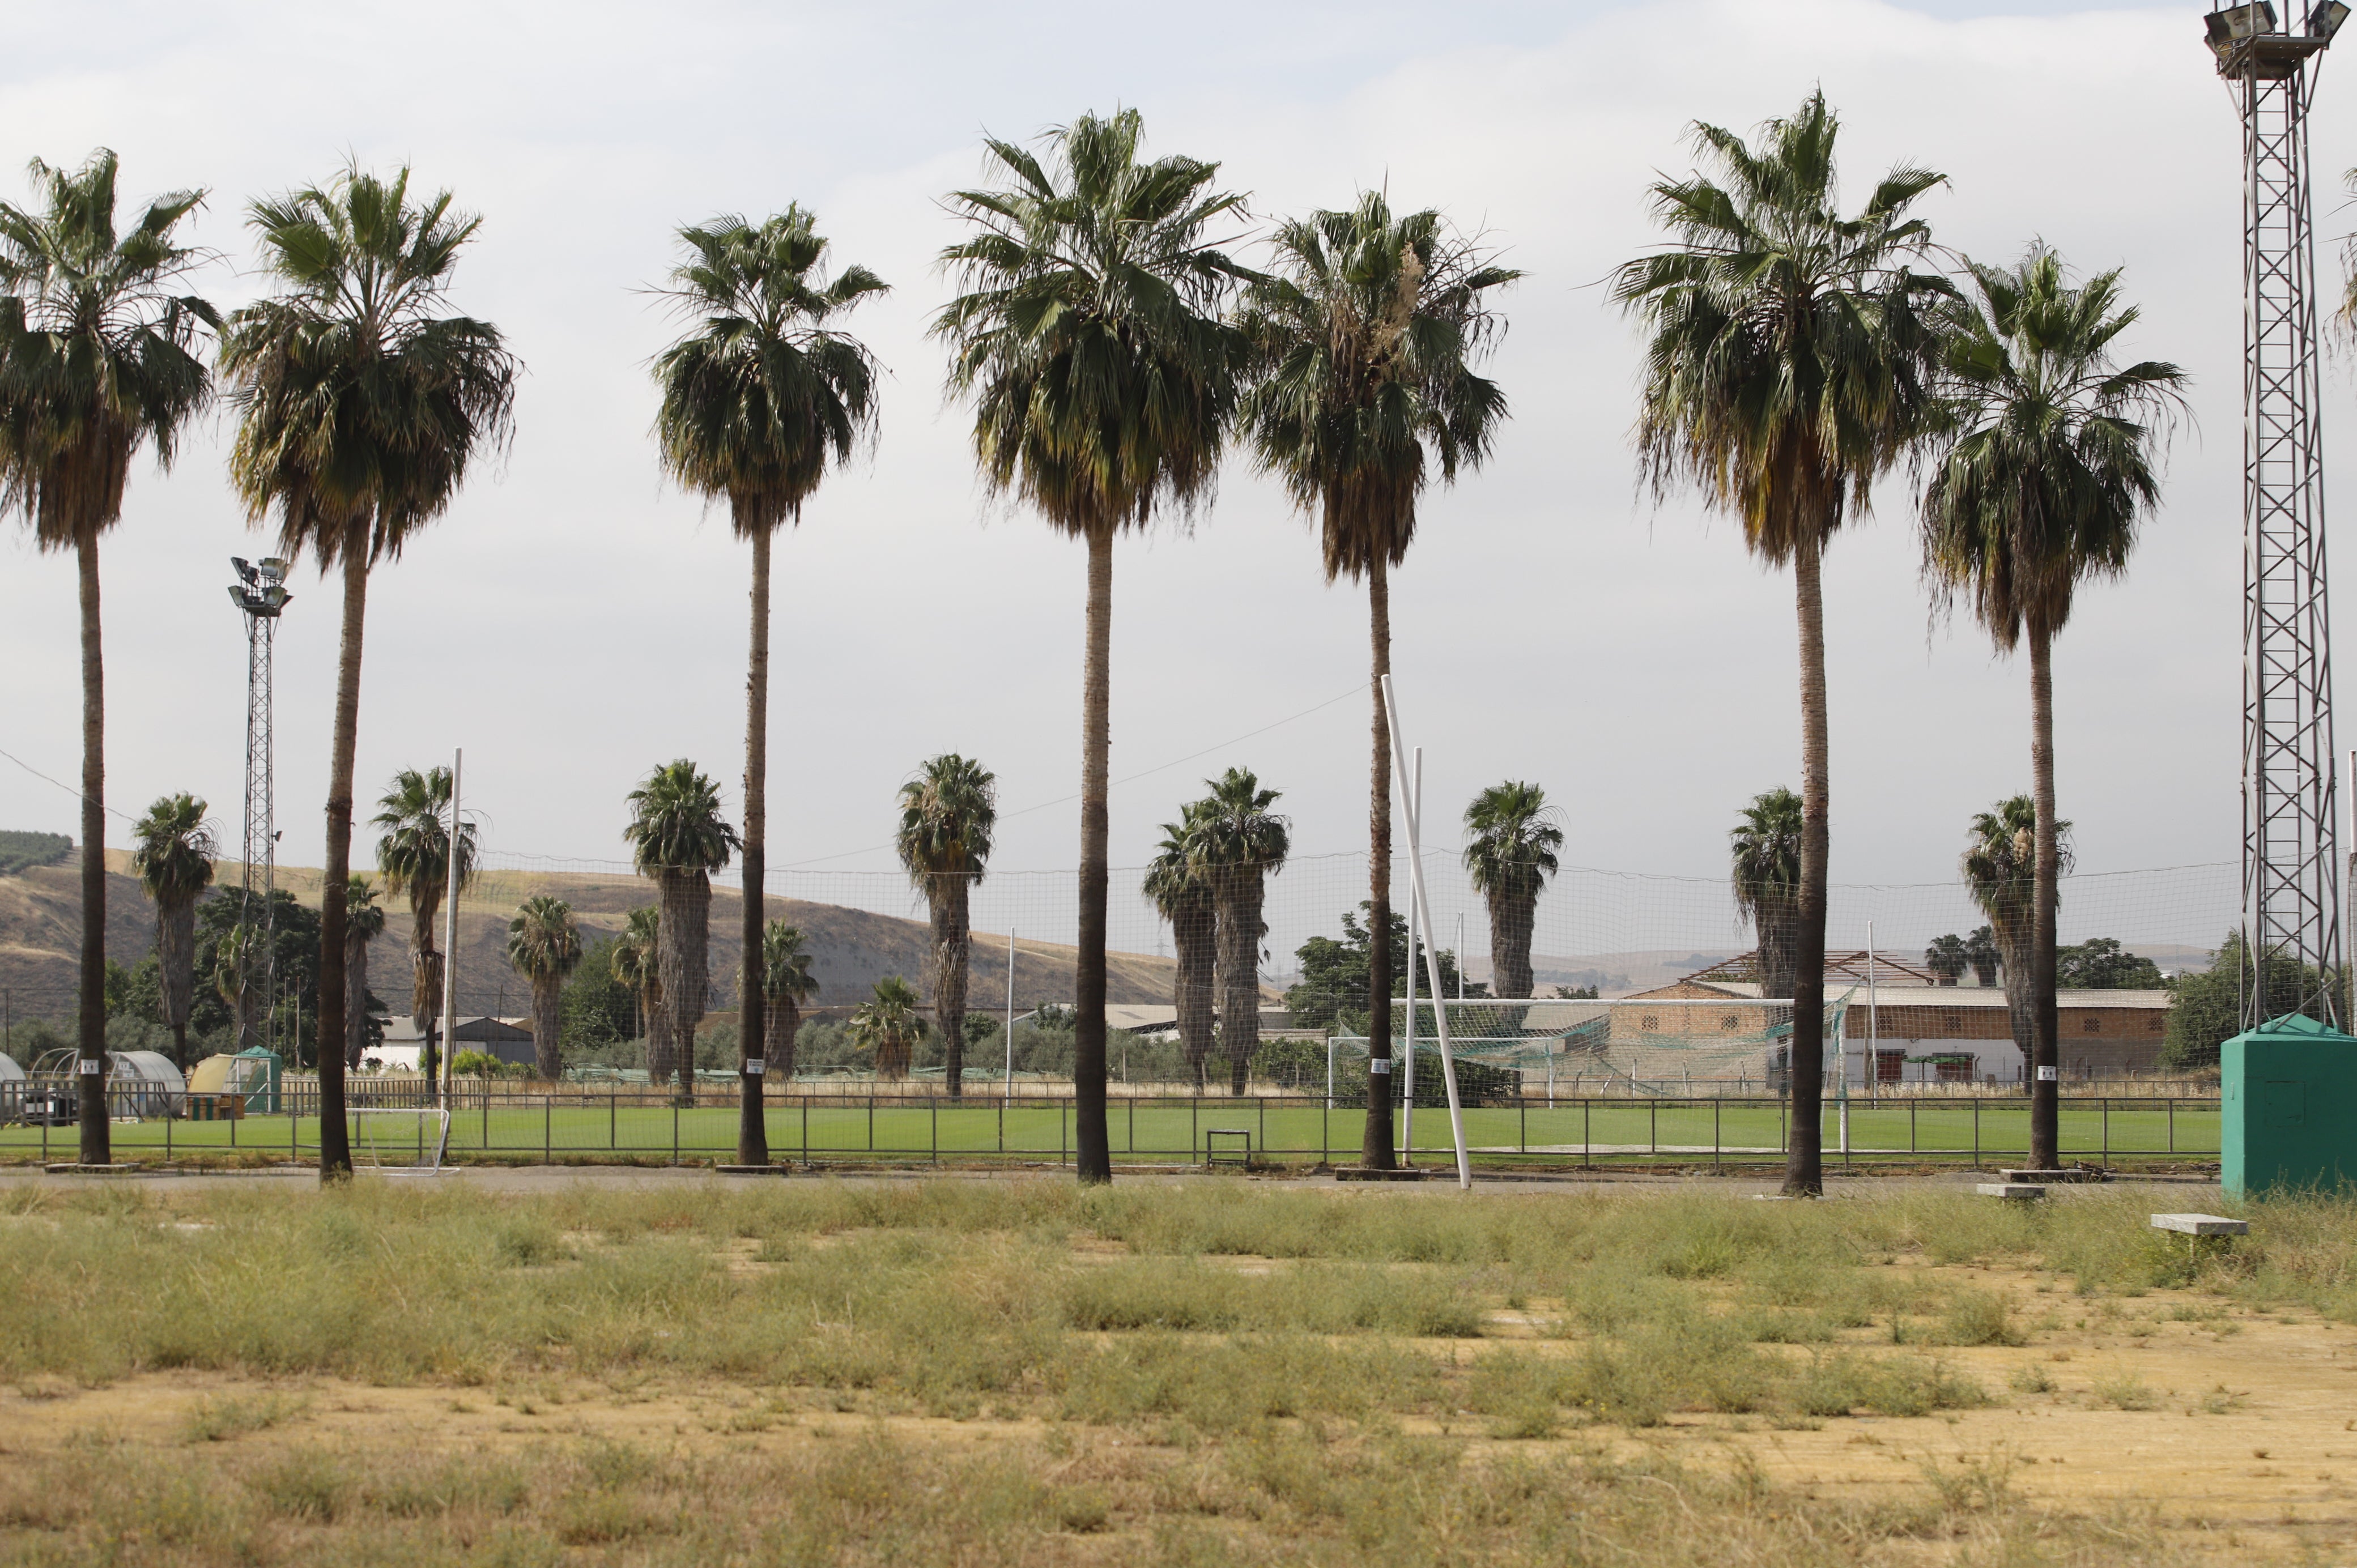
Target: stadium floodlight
260	593
2326	19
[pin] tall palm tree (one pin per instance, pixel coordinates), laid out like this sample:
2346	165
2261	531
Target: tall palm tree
2045	472
363	923
1510	852
174	862
1181	893
2000	870
1088	337
638	964
1765	846
786	984
678	837
1236	844
544	946
759	400
1364	345
360	409
414	853
1788	365
98	363
947	813
889	1026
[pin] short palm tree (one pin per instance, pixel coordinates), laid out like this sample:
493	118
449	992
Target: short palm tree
947	814
544	946
1088	337
2041	482
98	363
1788	364
1765	847
889	1026
760	400
678	837
1948	957
363	923
414	853
2000	870
1510	852
1236	843
1181	893
638	964
174	862
1364	344
360	409
786	984
1980	951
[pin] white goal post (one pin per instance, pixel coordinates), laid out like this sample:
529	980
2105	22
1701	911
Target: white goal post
400	1137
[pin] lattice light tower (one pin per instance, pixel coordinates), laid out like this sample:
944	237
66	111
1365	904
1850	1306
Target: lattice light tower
2291	906
260	593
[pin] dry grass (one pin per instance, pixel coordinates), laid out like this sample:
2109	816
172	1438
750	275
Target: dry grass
994	1372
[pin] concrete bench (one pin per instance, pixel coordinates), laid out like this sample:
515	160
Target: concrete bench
2200	1225
2012	1191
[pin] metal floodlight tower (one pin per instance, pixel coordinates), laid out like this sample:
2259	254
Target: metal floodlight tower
2290	864
260	593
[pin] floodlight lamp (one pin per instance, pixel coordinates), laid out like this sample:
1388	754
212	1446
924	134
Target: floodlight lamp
243	570
273	567
275	597
2325	19
237	597
2235	23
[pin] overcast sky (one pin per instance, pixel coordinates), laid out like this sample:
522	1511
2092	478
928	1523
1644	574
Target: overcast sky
573	622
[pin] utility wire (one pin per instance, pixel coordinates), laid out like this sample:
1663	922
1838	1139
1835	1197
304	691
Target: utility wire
68	788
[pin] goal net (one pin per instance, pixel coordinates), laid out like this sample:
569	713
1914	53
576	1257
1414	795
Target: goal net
398	1138
1571	1046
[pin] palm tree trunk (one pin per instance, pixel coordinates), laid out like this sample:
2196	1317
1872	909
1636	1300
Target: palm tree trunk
1193	930
1239	917
686	897
90	1021
1804	1173
1512	916
176	955
2045	1091
1375	1147
335	1133
952	941
547	994
355	999
1091	1139
752	1032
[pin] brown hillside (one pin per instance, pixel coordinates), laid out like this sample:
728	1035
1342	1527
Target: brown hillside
851	949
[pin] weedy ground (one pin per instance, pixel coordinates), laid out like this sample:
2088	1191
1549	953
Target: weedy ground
1221	1371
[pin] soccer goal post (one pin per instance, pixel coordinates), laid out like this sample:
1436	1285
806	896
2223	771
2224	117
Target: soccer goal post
401	1137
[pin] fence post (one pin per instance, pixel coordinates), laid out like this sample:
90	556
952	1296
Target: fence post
1325	1131
1976	1131
1001	1123
1523	1106
613	1124
547	1129
1133	1127
1911	1128
675	1130
1587	1149
1263	1128
805	1129
1653	1137
1063	1142
871	1120
1717	1137
2107	1131
2171	1105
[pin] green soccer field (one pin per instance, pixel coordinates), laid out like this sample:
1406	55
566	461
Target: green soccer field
562	1128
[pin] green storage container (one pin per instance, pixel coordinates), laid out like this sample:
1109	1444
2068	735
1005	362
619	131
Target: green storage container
2289	1116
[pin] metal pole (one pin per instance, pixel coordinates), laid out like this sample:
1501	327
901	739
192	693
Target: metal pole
1873	1022
1432	960
1006	1089
1407	1085
450	938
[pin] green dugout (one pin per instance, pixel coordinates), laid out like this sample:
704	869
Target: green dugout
2288	1119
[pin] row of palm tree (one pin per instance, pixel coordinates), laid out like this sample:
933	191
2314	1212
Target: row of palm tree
1209	880
1795	356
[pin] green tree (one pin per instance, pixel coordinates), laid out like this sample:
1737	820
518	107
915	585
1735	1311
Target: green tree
1088	337
599	1011
787	984
2100	963
1332	990
363	923
678	837
98	363
2206	1008
174	862
637	960
1180	892
360	409
947	814
1947	958
887	1027
414	853
1765	846
544	946
1236	844
760	400
1364	343
1999	866
1788	365
2044	473
1510	852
